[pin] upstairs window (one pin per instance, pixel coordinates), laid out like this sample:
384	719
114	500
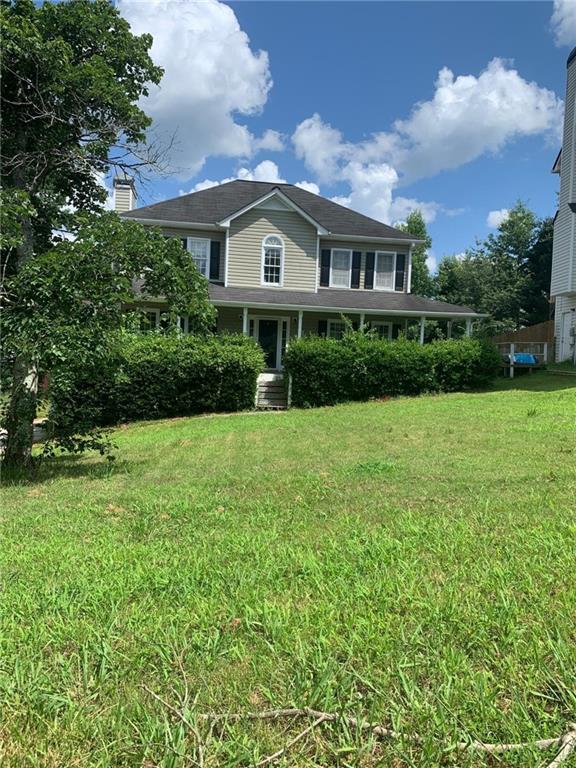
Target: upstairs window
272	260
384	271
199	249
340	268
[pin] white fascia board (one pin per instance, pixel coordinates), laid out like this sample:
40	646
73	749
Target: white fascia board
365	239
275	193
346	310
175	224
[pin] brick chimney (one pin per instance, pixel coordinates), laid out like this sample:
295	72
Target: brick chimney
124	193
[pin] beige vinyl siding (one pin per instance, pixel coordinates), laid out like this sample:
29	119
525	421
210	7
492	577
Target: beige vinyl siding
365	248
564	250
230	318
245	248
206	234
123	199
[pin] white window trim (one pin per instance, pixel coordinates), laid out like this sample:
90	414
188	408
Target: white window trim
189	238
330	283
330	324
262	281
376	257
381	324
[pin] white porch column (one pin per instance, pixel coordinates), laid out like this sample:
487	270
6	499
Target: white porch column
422	324
468	326
362	316
300	316
245	321
449	329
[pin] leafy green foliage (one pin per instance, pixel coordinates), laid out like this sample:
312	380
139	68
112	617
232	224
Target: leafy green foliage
152	376
506	276
361	366
72	76
422	281
64	303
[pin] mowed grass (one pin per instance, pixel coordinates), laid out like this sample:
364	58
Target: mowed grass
412	562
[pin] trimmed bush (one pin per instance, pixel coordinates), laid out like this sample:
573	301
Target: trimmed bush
151	376
360	366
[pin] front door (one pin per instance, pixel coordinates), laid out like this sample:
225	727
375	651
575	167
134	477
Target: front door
268	340
272	335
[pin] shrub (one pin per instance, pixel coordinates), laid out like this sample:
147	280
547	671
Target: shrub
361	366
150	376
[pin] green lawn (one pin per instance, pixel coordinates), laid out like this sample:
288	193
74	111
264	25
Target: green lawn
410	561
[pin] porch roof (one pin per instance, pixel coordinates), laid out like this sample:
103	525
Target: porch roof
338	300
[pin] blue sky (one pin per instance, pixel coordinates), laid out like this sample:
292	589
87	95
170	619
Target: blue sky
348	98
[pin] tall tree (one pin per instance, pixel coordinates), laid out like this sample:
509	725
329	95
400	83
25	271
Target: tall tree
505	275
539	269
72	77
422	283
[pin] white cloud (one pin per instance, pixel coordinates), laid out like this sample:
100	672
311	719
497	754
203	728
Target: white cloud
272	141
211	77
495	218
264	171
431	261
563	22
467	117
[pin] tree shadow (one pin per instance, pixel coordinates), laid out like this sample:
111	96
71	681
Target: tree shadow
541	381
58	467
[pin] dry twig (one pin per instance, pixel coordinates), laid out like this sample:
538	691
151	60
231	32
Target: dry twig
566	742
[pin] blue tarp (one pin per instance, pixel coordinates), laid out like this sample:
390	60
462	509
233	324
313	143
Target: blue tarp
522	358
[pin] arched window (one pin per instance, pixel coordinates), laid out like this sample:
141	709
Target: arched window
272	260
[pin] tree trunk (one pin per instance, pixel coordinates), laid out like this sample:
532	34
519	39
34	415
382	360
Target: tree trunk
21	413
21	410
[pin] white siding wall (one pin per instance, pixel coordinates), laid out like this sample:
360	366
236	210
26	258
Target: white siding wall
564	258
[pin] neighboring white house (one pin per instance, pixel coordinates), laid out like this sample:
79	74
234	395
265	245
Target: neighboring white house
563	285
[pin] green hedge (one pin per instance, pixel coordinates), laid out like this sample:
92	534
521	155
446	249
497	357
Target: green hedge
360	367
150	376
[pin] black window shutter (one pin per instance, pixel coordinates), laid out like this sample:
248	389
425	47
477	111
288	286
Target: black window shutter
400	271
355	325
323	326
355	281
369	273
325	268
184	241
214	260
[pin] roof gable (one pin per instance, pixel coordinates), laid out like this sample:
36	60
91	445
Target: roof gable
213	206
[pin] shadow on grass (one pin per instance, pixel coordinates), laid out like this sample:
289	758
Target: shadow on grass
542	381
59	467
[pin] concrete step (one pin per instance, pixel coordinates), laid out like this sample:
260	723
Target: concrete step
271	392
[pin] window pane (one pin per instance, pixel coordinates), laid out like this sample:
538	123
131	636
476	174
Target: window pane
272	265
274	241
382	329
336	329
340	273
384	274
200	250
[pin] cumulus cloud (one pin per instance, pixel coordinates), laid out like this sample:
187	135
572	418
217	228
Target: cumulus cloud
212	76
468	116
495	218
272	141
563	22
264	171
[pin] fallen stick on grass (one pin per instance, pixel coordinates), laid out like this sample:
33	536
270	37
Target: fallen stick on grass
566	742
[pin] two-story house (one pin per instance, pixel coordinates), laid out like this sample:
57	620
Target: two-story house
563	285
283	262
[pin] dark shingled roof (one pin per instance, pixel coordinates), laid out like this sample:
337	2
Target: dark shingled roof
338	300
210	206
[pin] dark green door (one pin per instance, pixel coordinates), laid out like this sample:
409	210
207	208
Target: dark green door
268	340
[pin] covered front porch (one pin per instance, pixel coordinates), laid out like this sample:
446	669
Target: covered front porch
273	328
